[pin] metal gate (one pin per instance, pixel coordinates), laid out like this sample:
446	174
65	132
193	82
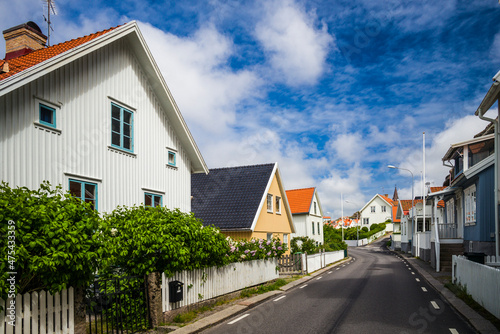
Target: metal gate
117	305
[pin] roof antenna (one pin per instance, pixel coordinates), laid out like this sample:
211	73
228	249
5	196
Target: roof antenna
50	8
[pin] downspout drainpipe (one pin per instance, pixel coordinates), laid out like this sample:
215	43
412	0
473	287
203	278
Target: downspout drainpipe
495	122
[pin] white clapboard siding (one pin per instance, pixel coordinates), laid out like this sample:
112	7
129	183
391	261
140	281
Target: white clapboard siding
82	92
203	284
40	312
481	281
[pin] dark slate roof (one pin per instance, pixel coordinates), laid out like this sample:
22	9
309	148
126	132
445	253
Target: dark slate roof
229	197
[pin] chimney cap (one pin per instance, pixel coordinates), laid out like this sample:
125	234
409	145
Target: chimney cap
30	25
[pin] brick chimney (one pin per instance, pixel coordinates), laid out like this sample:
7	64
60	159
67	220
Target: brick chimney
23	39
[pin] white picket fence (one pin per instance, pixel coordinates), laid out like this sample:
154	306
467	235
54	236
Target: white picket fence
203	284
317	261
481	281
38	312
491	261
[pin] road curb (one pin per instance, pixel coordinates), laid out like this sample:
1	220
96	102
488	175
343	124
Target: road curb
479	323
245	305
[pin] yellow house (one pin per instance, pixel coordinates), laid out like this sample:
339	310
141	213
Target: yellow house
243	202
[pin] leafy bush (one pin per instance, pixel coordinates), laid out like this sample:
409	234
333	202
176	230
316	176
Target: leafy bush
142	240
303	245
55	241
364	229
374	227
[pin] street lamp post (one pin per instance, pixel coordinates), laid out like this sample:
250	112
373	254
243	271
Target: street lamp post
412	197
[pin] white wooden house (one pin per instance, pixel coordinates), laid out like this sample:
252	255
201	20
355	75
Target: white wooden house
95	115
377	210
307	214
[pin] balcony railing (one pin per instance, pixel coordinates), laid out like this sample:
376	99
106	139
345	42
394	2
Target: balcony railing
447	231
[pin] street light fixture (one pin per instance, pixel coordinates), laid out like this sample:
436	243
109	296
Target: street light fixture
412	196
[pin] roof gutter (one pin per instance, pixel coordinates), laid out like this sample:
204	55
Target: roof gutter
488	101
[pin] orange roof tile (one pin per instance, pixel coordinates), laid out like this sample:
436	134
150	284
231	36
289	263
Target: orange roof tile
395	211
440	204
436	189
22	63
300	199
386	198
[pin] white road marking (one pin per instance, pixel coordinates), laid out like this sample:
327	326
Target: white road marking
424	289
412	273
303	286
319	277
343	265
416	279
453	330
409	268
435	305
279	298
337	269
329	272
238	319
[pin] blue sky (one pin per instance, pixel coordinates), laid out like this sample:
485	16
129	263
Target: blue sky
334	91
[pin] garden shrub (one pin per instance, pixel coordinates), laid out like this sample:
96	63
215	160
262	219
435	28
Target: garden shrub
307	245
364	229
254	249
56	244
142	240
374	227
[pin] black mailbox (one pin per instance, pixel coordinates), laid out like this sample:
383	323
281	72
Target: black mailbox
175	291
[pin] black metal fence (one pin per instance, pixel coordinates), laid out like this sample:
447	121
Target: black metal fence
117	305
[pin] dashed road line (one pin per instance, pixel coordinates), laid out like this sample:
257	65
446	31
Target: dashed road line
453	330
412	273
424	289
319	277
435	305
238	319
417	279
303	286
329	272
279	298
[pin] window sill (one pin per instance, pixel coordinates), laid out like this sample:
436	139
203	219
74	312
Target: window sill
171	167
470	224
120	151
269	211
47	128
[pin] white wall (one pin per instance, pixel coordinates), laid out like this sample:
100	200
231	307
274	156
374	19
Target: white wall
83	90
378	216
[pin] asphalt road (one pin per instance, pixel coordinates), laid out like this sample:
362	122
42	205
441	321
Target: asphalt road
376	292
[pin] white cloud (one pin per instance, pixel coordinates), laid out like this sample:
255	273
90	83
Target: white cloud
349	148
296	48
197	71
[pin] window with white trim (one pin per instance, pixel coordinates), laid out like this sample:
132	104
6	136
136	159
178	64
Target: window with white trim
372	208
312	224
319	231
86	191
153	200
269	237
384	208
366	221
122	128
470	205
269	203
285	239
278	204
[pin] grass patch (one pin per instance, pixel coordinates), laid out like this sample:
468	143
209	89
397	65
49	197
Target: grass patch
186	317
264	288
461	292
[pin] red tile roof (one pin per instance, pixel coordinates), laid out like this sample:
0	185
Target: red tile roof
394	211
441	204
300	199
387	199
406	204
22	63
436	189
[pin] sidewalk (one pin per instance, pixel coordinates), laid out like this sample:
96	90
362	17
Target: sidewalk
242	306
437	280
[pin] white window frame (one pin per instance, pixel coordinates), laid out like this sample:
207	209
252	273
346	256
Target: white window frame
450	211
470	205
372	209
366	221
278	204
269	237
270	203
383	208
285	238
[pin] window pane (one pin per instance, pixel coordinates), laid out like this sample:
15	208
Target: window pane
127	143
148	200
91	201
75	189
157	201
46	114
89	191
126	130
115	139
115	112
127	117
171	158
115	125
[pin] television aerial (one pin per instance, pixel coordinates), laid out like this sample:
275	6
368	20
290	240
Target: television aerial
51	8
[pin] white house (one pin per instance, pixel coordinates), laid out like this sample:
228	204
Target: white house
307	214
376	211
95	115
